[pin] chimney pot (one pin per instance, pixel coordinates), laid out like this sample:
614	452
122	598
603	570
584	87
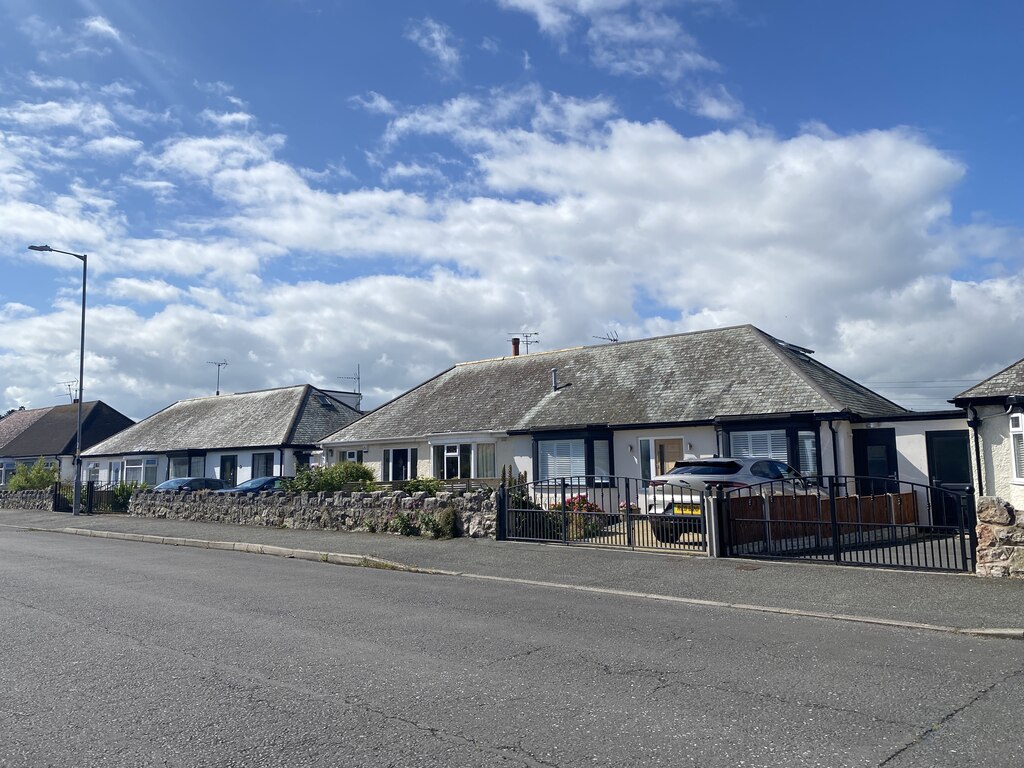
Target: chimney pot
515	346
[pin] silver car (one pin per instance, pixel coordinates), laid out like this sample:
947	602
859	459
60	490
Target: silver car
674	502
698	474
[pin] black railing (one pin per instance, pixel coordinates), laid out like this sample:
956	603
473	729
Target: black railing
853	521
604	510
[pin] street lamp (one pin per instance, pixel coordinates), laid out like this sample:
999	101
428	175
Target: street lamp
77	504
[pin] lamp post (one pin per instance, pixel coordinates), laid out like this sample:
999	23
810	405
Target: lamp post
77	504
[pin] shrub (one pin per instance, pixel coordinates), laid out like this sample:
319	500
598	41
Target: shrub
122	495
431	485
578	503
443	525
333	478
34	478
403	524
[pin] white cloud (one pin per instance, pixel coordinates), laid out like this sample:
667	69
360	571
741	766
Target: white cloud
226	120
373	103
715	104
625	37
436	40
113	145
98	26
52	83
645	45
161	190
404	171
91	117
137	290
54	43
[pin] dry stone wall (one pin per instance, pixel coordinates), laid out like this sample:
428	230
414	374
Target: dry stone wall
475	513
1000	538
27	500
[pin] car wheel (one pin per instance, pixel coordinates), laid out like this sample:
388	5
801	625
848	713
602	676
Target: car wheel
666	531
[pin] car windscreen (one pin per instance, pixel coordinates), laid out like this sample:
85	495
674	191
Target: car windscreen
705	468
250	484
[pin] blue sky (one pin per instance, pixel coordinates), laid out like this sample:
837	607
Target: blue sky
301	187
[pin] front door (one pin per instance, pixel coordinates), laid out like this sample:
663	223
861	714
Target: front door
874	456
400	464
229	470
949	467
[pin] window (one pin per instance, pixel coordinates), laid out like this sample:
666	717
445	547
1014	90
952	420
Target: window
141	471
561	458
769	444
133	471
602	458
807	445
92	471
456	461
263	465
485	460
1017	440
354	456
197	466
6	470
179	467
114	471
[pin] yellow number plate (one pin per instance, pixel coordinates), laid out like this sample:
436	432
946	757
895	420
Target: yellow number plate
685	509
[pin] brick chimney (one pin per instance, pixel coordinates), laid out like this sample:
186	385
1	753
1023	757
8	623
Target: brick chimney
515	346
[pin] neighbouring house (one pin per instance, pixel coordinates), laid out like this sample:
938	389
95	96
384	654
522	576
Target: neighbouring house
234	437
635	408
52	434
996	410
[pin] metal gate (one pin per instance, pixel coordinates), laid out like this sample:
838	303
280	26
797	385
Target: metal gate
853	521
606	511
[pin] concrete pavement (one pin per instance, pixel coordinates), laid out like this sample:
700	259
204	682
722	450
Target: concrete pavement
947	602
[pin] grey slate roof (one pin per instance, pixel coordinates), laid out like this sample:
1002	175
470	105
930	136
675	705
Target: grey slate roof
55	431
1009	381
14	424
690	377
289	416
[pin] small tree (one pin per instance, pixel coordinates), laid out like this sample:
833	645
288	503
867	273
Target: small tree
332	478
34	478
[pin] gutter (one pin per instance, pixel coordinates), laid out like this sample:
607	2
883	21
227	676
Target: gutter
975	424
835	447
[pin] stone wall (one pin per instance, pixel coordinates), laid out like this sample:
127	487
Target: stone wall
27	500
1000	538
377	511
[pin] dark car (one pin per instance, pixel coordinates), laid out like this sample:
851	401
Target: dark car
258	484
192	484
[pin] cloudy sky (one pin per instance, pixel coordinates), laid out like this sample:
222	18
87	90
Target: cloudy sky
301	187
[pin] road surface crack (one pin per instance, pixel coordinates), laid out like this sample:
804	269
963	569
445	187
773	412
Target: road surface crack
933	729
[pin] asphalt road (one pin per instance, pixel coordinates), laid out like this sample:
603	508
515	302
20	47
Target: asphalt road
123	654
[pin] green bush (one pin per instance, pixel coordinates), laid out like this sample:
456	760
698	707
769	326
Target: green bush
429	484
122	495
443	525
336	477
402	522
34	478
